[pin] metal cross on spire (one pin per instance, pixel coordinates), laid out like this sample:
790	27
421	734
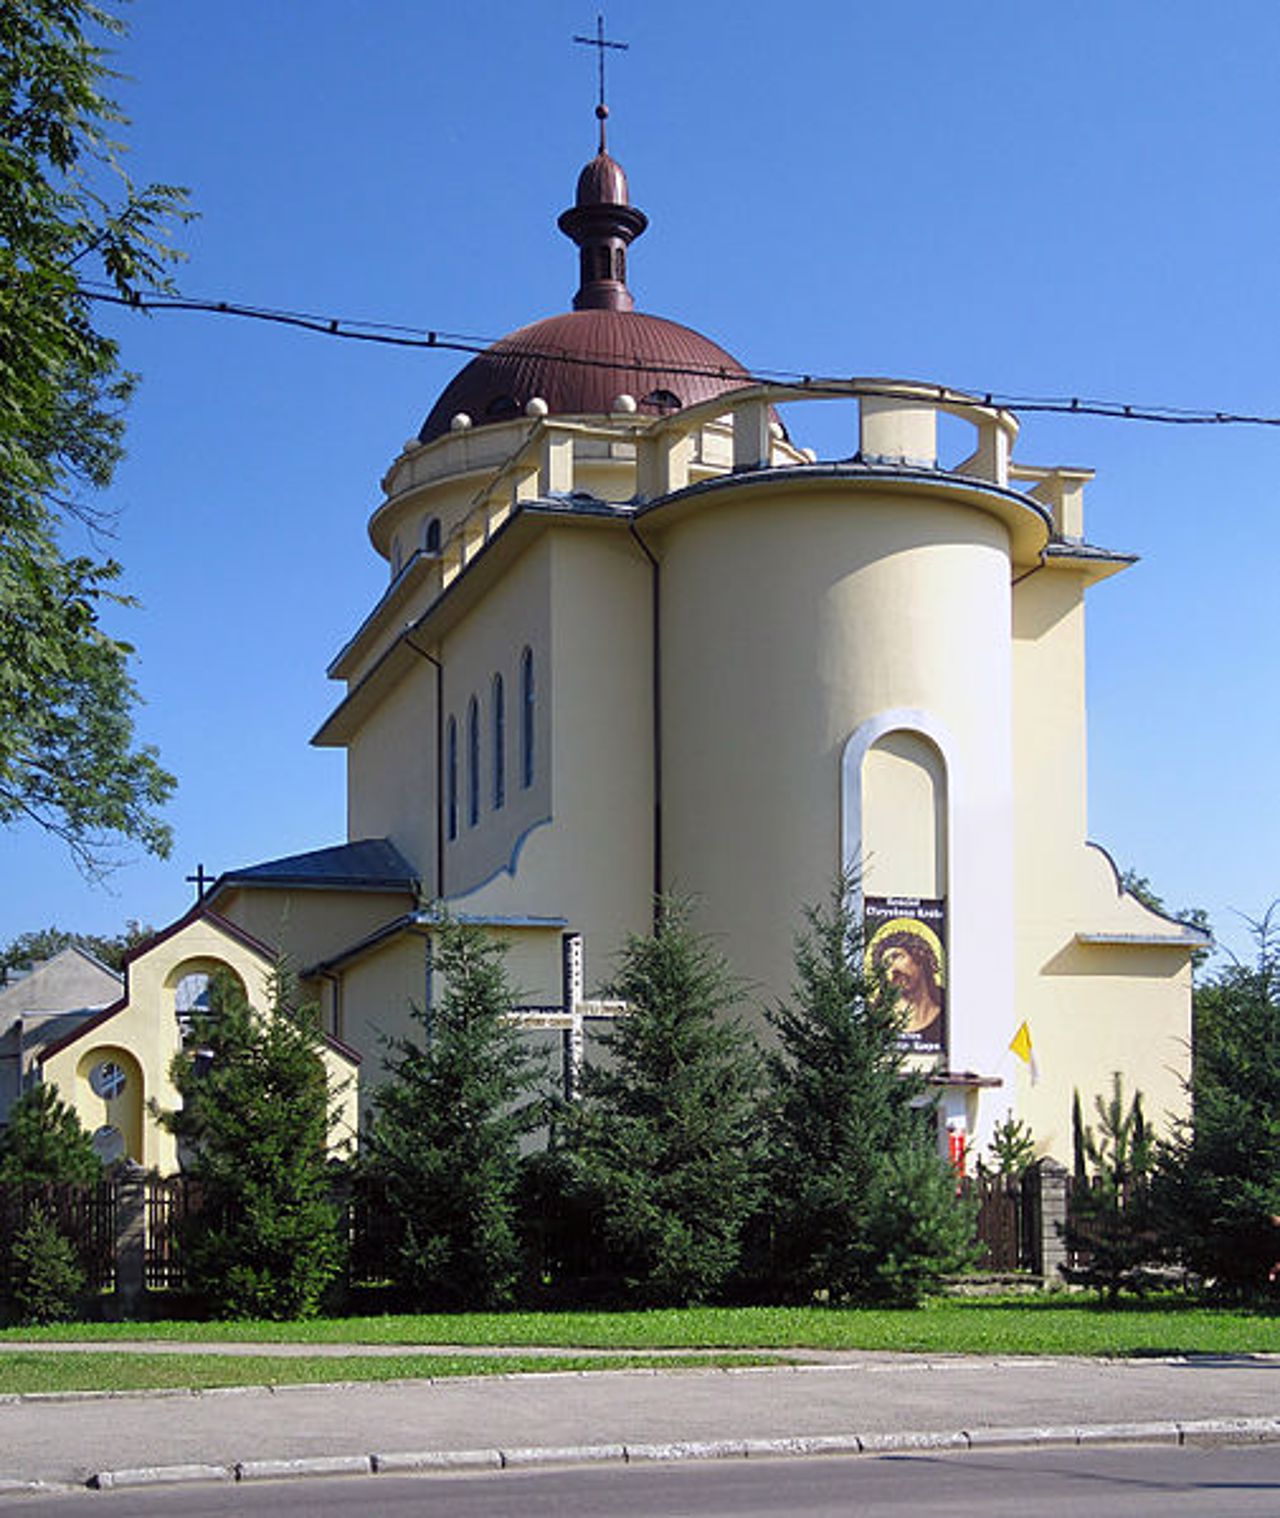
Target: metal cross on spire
600	42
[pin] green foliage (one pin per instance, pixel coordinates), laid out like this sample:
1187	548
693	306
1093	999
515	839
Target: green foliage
254	1125
1219	1177
666	1136
68	211
43	943
446	1130
44	1141
1194	917
44	1280
863	1207
1111	1218
1013	1147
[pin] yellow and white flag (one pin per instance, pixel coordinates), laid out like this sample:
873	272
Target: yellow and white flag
1020	1044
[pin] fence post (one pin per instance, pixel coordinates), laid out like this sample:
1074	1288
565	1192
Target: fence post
1050	1246
131	1242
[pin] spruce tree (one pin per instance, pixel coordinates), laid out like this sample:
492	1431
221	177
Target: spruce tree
862	1205
255	1120
45	1281
447	1127
1218	1183
1110	1223
45	1141
44	1144
666	1134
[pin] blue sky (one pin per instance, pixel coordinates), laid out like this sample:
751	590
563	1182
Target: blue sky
1025	199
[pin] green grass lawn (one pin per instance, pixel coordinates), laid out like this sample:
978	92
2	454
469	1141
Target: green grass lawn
1053	1324
67	1370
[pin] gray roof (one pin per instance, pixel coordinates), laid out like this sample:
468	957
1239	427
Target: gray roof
369	864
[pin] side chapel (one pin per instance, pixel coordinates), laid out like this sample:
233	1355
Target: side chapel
636	638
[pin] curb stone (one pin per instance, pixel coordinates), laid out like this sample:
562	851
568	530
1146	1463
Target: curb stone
438	1460
158	1475
1234	1430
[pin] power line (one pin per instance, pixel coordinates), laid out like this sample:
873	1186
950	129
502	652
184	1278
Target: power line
401	336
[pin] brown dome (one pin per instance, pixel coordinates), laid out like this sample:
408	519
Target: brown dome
625	352
581	362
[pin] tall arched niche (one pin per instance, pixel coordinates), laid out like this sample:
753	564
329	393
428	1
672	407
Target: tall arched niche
904	816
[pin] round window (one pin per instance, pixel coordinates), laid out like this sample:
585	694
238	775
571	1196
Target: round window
108	1144
108	1079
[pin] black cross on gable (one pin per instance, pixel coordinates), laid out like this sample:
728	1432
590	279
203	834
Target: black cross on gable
600	42
200	880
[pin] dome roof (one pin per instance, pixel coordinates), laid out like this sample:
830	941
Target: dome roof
579	363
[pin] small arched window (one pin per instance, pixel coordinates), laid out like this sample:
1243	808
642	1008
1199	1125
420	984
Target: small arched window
451	779
527	698
662	400
499	744
192	998
473	762
501	407
431	535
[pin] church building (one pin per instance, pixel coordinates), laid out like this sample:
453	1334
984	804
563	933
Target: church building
636	638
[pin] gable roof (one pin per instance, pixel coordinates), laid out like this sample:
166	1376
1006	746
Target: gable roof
367	864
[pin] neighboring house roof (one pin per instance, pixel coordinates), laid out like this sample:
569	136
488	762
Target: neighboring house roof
368	864
72	980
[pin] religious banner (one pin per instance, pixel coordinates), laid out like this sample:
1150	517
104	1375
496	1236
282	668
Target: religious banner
905	943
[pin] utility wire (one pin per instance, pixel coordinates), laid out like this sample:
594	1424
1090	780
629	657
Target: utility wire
399	336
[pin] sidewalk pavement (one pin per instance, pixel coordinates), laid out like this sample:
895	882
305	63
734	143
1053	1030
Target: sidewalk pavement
855	1401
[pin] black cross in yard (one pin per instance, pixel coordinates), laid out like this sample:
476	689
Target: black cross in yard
200	880
600	42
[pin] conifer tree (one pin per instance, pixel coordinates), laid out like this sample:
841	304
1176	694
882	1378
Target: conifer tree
43	1144
1218	1184
255	1120
45	1141
863	1207
666	1135
1111	1221
446	1131
44	1280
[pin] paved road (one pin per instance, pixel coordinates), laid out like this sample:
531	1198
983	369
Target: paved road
1105	1483
68	1440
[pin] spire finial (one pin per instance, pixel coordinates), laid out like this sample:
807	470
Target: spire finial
600	42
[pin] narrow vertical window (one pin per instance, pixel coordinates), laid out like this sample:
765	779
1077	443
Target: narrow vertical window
526	717
473	762
499	745
451	784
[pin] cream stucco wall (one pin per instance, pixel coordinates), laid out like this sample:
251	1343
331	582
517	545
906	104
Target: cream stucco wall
306	925
391	770
491	640
794	616
1091	1008
593	864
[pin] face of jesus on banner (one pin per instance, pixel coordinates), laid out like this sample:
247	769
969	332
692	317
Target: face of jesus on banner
908	963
